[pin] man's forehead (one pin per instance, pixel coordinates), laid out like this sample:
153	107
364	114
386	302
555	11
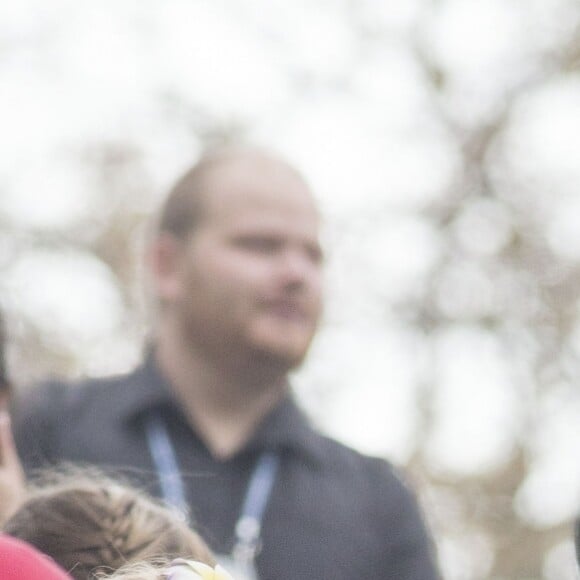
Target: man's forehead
248	166
259	182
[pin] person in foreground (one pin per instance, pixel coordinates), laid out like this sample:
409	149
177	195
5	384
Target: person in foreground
87	522
236	271
179	569
19	561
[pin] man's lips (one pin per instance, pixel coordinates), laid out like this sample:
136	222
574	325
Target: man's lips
287	309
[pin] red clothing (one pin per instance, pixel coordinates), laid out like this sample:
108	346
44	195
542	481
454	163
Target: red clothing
19	561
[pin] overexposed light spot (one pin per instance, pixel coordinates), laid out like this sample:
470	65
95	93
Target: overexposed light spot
390	15
549	25
397	255
561	562
374	378
465	290
564	228
375	262
482	50
106	62
483	227
554	466
311	40
468	289
168	149
470	37
392	83
354	164
32	127
543	140
475	405
212	62
469	555
70	297
119	354
47	193
31	19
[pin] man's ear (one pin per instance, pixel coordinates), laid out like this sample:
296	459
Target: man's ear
165	258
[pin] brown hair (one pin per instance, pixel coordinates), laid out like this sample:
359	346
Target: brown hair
88	522
182	208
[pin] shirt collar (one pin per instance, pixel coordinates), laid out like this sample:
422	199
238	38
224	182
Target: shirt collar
285	428
143	390
288	428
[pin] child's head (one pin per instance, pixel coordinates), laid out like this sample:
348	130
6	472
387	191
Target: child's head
138	571
86	522
179	569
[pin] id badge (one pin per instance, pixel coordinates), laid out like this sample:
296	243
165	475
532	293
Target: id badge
239	569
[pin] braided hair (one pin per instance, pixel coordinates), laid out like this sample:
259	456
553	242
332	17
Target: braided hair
89	522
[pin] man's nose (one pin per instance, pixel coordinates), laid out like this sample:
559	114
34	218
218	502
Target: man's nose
297	267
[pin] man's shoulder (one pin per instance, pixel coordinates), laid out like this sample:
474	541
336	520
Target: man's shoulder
374	487
389	507
372	475
59	398
61	420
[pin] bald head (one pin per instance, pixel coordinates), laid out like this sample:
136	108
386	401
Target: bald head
187	201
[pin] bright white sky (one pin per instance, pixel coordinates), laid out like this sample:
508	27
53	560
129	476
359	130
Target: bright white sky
360	123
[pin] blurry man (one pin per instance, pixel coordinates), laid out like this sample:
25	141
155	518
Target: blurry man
236	269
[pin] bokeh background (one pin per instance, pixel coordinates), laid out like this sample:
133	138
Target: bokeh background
442	138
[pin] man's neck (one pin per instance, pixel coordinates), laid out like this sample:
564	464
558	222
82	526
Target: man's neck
225	401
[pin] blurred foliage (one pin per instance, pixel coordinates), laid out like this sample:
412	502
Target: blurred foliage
497	267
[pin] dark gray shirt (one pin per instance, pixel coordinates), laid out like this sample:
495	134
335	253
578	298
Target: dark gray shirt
333	513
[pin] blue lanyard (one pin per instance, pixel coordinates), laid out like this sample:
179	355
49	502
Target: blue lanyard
249	525
262	479
165	462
